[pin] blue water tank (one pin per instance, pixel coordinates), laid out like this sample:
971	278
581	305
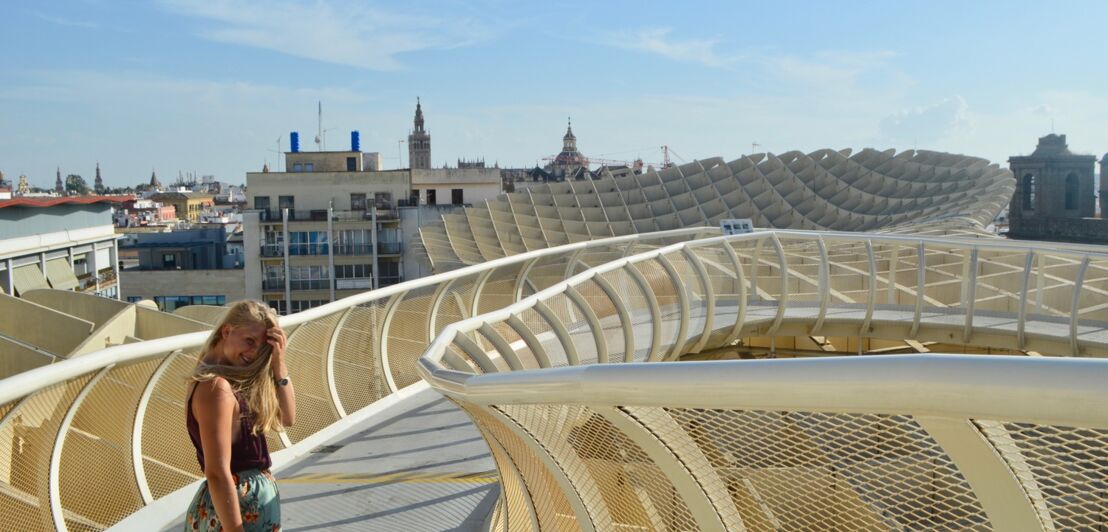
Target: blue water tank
355	141
294	142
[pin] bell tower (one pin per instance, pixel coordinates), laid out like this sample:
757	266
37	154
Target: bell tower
419	142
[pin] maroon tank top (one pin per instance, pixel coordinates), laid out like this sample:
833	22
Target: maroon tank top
248	452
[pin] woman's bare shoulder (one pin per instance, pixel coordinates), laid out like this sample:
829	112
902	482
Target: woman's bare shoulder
216	392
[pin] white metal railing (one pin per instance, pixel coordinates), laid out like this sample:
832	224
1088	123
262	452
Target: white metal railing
88	441
885	442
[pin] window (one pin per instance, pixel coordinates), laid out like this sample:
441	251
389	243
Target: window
456	196
1028	192
351	164
287	202
1071	192
171	303
431	197
382	200
169	261
352	242
309	167
261	203
353	276
134	299
278	306
297	167
309	278
308	243
389	273
357	202
413	198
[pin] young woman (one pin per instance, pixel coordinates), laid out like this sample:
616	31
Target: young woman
238	392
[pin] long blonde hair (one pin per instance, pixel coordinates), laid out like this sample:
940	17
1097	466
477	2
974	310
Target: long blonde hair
254	380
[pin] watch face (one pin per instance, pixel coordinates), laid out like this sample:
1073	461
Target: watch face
283	382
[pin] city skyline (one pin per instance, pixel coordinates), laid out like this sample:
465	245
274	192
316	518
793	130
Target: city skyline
208	88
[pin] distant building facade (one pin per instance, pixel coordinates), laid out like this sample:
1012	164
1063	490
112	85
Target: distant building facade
188	205
1055	195
60	243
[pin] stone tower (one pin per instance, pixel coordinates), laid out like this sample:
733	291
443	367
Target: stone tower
154	183
1054	188
59	185
419	143
98	185
23	188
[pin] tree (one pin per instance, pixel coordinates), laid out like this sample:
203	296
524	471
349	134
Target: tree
75	185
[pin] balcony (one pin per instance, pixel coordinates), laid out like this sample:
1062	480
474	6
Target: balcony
297	284
388	248
272	250
106	278
320	215
357	283
353	249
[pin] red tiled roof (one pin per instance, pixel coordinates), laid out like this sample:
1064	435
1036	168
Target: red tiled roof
50	202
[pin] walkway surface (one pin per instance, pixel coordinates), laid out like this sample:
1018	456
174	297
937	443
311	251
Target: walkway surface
420	465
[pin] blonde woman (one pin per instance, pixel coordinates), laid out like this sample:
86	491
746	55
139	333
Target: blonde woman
239	391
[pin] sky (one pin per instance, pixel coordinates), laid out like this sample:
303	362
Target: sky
213	87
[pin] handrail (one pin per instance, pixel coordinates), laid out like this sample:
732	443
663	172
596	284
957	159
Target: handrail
975	420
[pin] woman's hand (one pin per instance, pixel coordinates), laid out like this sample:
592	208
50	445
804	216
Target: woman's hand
275	337
286	396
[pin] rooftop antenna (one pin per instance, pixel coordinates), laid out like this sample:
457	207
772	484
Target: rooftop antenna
319	131
754	147
278	166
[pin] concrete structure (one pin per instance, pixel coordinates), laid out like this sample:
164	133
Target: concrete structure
1055	196
63	243
611	427
419	142
824	190
454	186
203	247
171	290
188	205
342	235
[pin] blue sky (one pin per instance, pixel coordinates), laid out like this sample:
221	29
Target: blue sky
208	86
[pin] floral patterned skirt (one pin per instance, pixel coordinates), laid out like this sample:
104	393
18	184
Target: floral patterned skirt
258	501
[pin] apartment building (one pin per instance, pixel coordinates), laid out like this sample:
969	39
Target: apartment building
60	243
324	229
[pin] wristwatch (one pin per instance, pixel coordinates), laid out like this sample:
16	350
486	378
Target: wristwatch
282	382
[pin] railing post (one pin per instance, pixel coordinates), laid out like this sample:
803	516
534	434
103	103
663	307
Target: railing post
969	294
709	294
894	264
740	316
824	286
624	317
921	277
1075	308
56	509
1021	312
594	324
655	312
683	304
783	296
871	294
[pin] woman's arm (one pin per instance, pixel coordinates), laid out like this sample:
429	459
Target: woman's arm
213	404
286	396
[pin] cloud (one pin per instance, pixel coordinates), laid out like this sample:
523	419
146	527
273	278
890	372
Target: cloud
659	41
928	123
344	32
65	21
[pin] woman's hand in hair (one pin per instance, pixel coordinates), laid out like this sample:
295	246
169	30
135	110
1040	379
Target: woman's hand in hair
275	337
286	396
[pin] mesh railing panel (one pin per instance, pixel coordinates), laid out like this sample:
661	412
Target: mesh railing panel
804	470
97	475
1064	467
169	464
591	451
359	378
307	359
551	507
407	335
30	430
